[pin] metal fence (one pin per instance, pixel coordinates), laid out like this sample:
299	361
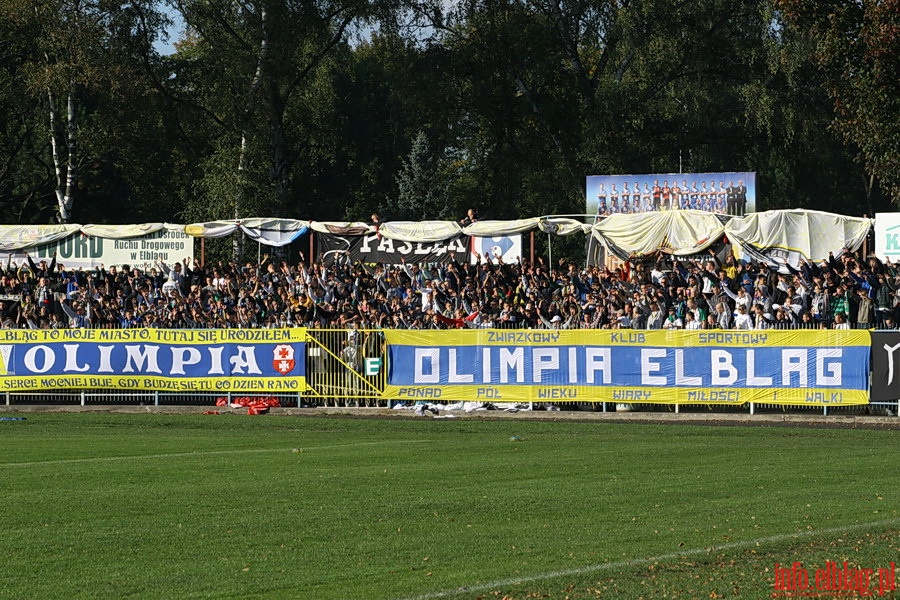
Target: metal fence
346	368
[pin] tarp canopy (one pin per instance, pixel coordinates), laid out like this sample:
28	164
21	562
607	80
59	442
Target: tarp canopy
679	232
21	237
271	232
783	236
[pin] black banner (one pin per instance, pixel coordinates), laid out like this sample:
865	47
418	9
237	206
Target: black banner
371	249
885	366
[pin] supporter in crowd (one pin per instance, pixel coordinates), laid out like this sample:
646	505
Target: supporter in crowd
660	294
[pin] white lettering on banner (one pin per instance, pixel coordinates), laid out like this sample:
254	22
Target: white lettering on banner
105	358
890	351
598	359
722	362
433	358
139	354
752	379
387	246
591	365
142	359
544	359
573	365
680	377
182	357
514	360
648	367
793	361
72	359
455	376
31	359
215	353
832	368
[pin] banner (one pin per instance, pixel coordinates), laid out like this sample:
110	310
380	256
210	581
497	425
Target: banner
811	368
885	366
176	360
732	193
887	236
81	251
372	248
507	248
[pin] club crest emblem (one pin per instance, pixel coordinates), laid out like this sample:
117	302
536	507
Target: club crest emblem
283	359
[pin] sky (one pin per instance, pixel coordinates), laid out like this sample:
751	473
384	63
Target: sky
174	31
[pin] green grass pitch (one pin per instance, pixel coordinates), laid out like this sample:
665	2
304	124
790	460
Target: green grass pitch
102	505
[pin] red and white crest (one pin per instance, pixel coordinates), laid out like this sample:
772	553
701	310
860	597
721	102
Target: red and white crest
283	359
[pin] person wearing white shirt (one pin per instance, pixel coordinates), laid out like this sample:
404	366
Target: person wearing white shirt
672	322
740	299
760	318
742	320
690	322
840	322
656	318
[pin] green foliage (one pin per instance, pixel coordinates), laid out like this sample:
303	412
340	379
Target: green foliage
421	185
323	110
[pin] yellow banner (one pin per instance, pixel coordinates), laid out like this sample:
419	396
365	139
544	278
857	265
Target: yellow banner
202	360
814	368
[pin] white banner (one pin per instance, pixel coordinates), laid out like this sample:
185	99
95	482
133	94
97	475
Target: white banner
79	251
506	247
887	236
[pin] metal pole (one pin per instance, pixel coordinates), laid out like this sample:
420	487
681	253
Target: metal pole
549	252
866	243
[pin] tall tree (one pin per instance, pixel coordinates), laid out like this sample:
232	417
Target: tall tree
258	71
857	46
81	69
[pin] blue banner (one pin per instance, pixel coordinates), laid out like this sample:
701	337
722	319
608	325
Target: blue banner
786	367
251	360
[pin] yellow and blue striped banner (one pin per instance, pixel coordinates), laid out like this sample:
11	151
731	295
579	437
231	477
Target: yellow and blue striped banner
815	368
177	360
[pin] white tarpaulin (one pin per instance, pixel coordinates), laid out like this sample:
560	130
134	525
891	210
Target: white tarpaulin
784	236
776	236
18	237
673	231
274	232
419	231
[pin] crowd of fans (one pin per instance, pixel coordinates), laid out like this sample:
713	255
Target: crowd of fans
846	291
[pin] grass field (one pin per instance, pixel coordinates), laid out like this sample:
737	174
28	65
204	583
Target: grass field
100	505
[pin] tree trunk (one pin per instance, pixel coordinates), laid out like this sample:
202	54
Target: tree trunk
71	160
65	183
243	159
65	190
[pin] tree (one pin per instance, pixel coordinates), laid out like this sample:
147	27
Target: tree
857	47
422	185
258	71
80	65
